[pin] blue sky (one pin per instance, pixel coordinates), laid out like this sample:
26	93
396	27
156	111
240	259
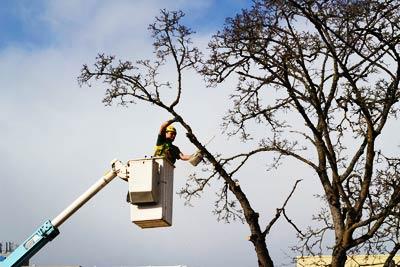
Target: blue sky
24	23
57	139
17	29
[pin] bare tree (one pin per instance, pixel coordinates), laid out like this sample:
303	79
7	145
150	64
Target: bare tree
129	83
323	76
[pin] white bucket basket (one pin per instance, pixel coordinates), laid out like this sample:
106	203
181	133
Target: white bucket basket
156	192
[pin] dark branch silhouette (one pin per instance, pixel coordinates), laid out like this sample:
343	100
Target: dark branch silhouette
129	83
327	72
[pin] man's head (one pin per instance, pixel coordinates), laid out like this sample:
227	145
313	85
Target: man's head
170	133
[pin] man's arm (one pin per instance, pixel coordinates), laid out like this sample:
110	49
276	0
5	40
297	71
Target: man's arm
165	125
184	156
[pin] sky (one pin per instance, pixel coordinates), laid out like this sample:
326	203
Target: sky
57	139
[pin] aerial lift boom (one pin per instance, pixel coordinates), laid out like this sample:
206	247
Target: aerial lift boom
49	229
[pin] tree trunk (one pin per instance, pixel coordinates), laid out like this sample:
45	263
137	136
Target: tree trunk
339	257
263	257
